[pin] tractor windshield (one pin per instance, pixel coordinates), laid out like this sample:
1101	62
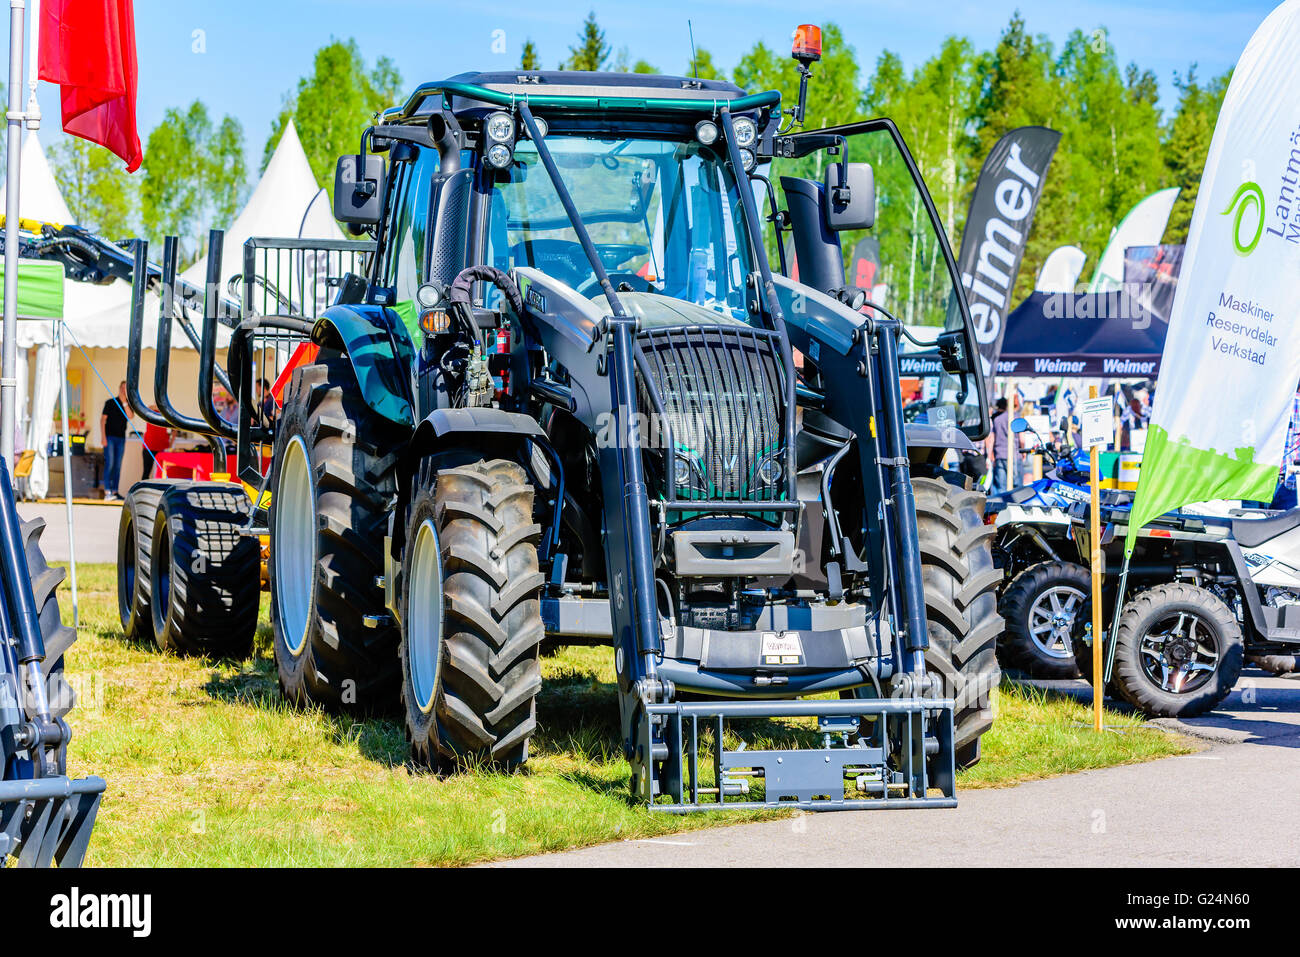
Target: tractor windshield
663	214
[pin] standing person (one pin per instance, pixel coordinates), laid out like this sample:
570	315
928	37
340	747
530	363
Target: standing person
112	426
995	447
265	403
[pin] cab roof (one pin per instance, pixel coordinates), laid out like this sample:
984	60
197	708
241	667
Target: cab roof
576	90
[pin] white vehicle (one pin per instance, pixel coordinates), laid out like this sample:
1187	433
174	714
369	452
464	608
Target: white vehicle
1208	591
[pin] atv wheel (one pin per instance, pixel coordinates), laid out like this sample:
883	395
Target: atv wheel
471	617
58	637
203	574
334	479
134	550
961	605
1044	607
1178	652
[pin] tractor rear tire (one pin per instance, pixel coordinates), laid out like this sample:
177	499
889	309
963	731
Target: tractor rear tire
57	636
203	573
961	606
134	551
1051	597
334	483
471	615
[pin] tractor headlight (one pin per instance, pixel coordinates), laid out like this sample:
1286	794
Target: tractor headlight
706	131
746	132
500	127
688	476
498	156
542	127
747	160
770	471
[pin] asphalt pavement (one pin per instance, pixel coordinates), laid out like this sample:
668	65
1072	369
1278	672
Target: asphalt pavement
1232	804
94	530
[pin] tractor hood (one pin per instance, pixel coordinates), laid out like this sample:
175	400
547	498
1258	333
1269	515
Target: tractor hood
655	310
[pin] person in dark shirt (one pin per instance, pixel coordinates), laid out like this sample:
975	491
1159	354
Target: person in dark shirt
112	426
995	447
265	403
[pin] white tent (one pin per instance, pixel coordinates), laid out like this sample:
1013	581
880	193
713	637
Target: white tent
286	203
41	197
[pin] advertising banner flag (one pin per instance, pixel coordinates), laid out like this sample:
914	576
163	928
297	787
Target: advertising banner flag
1002	210
1061	269
1151	276
1232	355
1144	225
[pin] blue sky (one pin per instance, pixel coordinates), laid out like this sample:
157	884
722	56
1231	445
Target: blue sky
254	52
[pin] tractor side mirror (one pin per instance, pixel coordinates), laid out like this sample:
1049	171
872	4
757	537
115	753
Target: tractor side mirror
849	200
359	189
954	355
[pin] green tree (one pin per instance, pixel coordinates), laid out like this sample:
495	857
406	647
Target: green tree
530	60
100	194
334	104
194	175
1187	142
592	52
703	67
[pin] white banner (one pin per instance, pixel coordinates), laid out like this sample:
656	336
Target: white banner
1143	226
1232	356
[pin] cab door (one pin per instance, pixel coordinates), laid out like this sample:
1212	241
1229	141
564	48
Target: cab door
903	264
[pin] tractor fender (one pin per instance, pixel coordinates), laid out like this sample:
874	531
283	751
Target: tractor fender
487	430
926	444
377	345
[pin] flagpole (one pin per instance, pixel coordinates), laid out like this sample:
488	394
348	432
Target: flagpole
14	118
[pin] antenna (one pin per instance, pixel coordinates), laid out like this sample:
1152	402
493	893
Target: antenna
695	64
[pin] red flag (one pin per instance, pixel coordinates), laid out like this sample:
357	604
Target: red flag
88	48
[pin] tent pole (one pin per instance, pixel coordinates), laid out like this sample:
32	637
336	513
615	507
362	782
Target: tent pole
8	352
67	470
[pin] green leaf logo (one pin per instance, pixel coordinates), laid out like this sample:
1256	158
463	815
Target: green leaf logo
1247	195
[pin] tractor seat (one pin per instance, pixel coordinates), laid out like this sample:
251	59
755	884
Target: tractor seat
1250	532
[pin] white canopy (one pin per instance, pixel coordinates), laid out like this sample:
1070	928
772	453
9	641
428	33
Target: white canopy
286	203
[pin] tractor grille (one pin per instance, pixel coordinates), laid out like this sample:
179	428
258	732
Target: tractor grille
721	394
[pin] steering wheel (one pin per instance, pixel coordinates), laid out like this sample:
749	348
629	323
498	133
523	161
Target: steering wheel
613	255
591	287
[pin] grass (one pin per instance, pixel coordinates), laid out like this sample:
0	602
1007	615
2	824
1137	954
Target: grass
206	765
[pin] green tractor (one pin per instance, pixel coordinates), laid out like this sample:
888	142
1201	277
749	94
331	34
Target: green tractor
571	401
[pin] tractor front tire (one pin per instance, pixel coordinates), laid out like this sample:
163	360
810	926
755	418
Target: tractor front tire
334	483
471	615
203	572
961	606
134	553
58	637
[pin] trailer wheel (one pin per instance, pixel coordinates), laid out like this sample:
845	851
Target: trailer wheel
57	636
961	605
471	615
203	574
134	550
334	481
1044	607
1178	652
